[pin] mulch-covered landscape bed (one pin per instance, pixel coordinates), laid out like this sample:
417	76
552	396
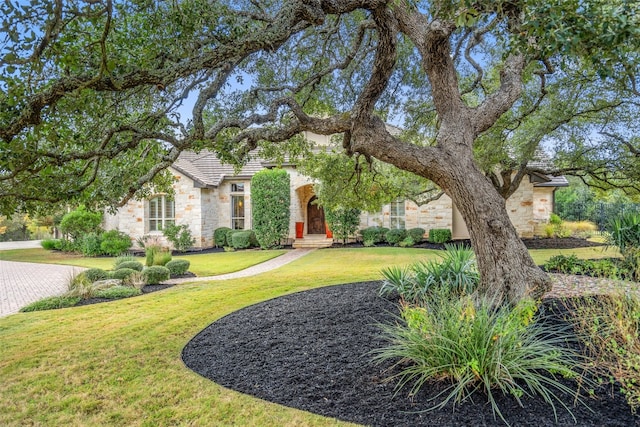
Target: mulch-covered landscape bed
312	351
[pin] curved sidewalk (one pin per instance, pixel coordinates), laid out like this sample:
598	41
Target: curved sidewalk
272	264
22	283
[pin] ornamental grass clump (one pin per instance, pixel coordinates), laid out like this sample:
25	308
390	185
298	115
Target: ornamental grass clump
478	347
456	270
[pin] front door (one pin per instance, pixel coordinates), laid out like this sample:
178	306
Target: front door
315	218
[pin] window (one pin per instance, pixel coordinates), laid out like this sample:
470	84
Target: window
396	217
237	206
162	212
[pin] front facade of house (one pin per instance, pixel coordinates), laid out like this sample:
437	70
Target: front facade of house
209	194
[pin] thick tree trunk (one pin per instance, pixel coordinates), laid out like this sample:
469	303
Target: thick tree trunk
506	268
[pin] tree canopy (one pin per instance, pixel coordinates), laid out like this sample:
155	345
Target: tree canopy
94	92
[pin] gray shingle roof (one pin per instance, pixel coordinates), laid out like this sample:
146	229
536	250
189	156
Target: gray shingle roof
208	171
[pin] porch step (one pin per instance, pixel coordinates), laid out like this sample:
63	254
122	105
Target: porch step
313	241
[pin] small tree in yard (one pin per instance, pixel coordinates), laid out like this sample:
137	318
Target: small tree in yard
270	199
343	222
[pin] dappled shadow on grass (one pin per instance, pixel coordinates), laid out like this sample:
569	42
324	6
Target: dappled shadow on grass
311	351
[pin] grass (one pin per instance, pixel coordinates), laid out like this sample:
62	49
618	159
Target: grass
201	264
119	363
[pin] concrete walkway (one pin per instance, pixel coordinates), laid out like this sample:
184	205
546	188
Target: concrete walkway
22	283
272	264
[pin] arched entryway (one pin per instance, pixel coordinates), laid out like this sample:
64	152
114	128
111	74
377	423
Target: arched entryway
315	218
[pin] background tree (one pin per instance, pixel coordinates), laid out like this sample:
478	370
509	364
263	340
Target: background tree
92	93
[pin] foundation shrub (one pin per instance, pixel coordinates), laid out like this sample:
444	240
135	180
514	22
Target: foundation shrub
178	267
220	237
156	274
243	239
416	234
179	236
229	237
395	236
343	222
373	235
439	235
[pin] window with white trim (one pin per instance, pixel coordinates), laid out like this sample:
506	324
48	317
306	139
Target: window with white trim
237	206
162	212
396	214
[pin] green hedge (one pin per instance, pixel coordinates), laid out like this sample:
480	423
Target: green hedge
395	236
242	239
416	234
373	235
220	237
270	199
439	235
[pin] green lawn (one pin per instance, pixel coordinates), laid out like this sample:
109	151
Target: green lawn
119	363
201	264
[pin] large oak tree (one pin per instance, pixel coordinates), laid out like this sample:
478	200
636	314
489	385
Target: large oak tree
93	97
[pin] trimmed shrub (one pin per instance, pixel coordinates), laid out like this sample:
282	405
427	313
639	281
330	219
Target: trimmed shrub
115	243
90	244
416	234
439	235
270	199
50	244
342	222
95	274
122	273
162	258
242	239
395	236
124	258
133	265
117	292
156	274
80	222
179	236
51	303
228	237
220	237
178	266
374	235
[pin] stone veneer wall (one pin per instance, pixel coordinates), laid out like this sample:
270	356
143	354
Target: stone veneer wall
131	218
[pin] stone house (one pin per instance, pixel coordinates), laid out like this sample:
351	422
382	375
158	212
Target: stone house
210	194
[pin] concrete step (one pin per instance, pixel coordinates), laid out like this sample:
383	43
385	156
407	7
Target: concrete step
313	241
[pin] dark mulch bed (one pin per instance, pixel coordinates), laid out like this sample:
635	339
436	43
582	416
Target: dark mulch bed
535	243
310	350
